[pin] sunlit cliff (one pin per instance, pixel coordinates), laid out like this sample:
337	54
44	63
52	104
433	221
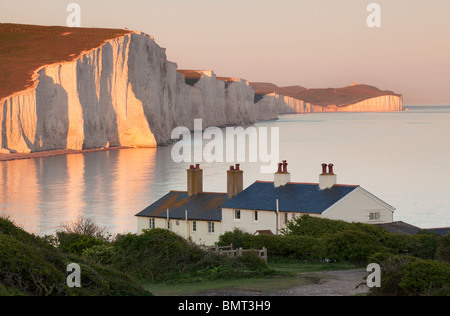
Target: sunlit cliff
81	89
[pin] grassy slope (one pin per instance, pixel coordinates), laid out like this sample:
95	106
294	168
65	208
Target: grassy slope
26	48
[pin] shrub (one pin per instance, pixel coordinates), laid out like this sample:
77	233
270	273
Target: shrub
403	275
30	266
29	269
160	255
238	238
314	227
252	261
102	254
425	277
352	246
443	251
76	243
155	255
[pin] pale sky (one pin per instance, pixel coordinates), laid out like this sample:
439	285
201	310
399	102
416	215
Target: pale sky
313	43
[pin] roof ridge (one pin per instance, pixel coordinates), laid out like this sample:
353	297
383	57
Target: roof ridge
312	183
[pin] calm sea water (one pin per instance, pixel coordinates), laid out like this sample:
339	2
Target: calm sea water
403	158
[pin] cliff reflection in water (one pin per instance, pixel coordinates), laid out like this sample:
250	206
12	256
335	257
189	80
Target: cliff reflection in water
43	193
400	157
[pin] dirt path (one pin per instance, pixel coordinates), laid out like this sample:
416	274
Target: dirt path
329	283
332	283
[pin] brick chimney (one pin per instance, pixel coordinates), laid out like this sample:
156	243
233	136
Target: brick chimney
328	178
282	176
194	180
235	181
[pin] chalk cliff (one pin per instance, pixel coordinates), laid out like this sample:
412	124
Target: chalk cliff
124	92
355	98
271	105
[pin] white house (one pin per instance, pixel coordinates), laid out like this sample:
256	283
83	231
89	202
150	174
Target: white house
264	207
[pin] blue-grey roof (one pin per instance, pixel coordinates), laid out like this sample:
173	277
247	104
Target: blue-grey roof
292	197
203	206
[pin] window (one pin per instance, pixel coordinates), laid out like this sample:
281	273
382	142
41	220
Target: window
168	225
194	226
374	216
211	227
286	218
152	223
237	214
255	216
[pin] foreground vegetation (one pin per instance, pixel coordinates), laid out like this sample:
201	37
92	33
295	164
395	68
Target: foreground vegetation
31	265
410	264
161	261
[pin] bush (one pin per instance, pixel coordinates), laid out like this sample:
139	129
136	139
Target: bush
422	245
30	266
352	246
238	238
76	243
252	261
159	255
425	277
155	254
101	254
403	275
443	251
306	225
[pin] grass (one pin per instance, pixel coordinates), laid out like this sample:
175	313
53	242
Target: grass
288	273
25	48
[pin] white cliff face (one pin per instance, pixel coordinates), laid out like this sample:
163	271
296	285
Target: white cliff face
86	103
126	93
240	106
271	105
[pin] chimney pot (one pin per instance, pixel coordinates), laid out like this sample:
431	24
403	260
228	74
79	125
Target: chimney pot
282	177
330	168
235	181
327	179
285	164
194	180
238	167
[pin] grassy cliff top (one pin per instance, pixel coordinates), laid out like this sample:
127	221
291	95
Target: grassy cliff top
323	97
26	48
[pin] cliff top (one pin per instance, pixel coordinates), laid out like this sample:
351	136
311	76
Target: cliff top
26	48
323	97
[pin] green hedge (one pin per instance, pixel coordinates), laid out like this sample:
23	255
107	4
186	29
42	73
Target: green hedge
311	238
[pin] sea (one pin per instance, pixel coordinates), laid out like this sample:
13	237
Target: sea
401	157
